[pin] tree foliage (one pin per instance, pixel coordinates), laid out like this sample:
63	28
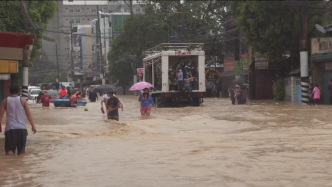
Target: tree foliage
40	13
53	76
201	22
273	28
44	69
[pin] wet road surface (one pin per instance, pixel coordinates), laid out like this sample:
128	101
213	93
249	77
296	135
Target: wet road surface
260	144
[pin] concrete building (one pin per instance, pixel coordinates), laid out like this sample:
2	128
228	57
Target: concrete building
110	26
72	13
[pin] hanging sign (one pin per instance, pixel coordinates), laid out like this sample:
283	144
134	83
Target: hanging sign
140	71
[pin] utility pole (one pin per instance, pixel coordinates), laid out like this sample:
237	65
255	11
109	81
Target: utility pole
57	64
72	52
134	63
179	20
26	52
100	44
304	56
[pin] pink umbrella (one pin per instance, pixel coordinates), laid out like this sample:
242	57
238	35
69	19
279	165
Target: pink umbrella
140	86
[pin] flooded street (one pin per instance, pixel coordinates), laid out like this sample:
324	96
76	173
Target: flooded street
260	144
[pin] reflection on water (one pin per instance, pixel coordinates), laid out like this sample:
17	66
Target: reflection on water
263	143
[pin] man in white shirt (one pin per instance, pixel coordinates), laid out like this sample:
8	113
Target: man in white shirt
104	100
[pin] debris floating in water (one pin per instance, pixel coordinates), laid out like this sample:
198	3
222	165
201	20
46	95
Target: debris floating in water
85	109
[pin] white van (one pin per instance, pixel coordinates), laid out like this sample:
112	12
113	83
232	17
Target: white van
33	93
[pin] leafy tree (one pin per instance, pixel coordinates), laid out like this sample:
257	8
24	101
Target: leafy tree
53	76
201	21
38	12
42	67
273	28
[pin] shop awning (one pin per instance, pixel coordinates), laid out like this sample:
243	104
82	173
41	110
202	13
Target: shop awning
12	44
321	57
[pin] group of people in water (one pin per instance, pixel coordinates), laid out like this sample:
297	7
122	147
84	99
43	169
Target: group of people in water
238	95
113	104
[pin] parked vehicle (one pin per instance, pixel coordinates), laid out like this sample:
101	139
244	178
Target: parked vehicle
33	94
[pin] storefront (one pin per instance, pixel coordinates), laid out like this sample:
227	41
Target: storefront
7	67
14	47
321	64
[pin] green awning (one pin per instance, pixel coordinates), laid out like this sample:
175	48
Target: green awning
321	57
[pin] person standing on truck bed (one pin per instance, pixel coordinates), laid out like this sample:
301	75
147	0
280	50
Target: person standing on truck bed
186	84
188	68
179	75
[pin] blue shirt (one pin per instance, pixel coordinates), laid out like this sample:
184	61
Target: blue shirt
181	76
146	102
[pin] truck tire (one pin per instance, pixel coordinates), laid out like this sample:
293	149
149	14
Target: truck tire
195	102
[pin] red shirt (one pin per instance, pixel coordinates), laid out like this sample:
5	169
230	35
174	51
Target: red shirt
63	92
45	99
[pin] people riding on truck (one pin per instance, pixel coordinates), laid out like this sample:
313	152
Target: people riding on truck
186	85
188	68
179	75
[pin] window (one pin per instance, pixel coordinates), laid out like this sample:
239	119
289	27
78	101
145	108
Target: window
104	44
71	21
78	21
93	47
70	0
137	1
143	9
138	10
110	24
78	10
92	30
71	10
126	10
94	10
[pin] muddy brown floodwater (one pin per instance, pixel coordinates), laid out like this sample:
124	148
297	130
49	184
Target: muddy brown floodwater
261	144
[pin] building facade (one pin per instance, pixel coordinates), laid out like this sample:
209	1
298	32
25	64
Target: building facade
321	65
72	13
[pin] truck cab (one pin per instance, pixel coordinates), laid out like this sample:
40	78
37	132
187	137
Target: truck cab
161	66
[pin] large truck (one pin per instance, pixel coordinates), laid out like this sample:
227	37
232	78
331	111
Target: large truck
161	65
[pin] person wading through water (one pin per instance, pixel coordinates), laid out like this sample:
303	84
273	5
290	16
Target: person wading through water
146	101
16	132
104	100
113	104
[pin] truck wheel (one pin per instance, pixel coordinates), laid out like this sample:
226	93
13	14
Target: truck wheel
195	102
